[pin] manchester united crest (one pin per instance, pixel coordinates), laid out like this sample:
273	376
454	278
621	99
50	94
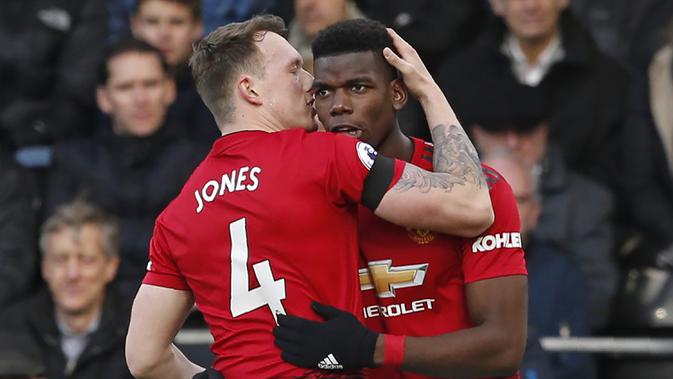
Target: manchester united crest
421	237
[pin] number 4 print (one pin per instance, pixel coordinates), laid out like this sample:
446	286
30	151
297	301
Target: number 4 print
270	291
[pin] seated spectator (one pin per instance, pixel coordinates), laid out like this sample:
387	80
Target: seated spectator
172	26
50	51
650	136
645	300
18	253
214	13
576	211
627	30
535	364
436	29
19	357
556	290
540	44
78	325
311	16
134	167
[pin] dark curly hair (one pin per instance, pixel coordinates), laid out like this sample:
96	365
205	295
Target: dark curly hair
353	36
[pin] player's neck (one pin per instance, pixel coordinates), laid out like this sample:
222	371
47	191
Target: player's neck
78	323
533	48
249	124
397	145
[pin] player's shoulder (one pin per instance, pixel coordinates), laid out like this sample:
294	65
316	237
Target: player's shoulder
502	197
327	145
185	204
495	181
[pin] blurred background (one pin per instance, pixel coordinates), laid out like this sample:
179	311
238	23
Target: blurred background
100	124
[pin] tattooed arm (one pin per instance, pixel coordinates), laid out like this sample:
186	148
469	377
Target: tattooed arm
454	199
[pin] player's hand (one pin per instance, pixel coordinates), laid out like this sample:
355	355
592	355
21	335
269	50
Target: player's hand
416	76
339	343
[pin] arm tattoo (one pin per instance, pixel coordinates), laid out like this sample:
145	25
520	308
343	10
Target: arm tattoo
455	161
455	155
423	181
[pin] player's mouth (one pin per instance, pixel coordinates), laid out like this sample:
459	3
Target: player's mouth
347	129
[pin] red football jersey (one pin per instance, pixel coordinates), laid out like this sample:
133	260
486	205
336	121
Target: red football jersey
265	224
420	276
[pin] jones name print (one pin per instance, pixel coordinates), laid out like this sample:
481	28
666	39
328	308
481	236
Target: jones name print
243	179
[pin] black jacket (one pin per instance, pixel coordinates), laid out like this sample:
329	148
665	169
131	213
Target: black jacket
102	358
189	113
18	253
557	299
132	178
434	28
577	216
586	92
649	189
48	66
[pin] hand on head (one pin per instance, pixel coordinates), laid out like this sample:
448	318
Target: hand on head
416	76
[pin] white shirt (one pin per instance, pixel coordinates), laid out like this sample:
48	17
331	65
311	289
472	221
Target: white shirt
527	73
73	344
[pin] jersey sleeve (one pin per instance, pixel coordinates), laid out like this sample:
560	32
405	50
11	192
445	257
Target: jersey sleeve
161	268
499	250
349	172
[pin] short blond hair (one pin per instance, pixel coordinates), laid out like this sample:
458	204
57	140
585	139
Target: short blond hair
77	214
223	54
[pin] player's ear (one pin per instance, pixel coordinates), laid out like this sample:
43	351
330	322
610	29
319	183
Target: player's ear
134	24
563	4
479	136
248	91
170	92
498	7
102	100
197	32
400	94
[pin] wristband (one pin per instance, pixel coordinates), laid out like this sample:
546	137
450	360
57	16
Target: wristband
393	350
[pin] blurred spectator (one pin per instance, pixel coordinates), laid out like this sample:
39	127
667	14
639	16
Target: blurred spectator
18	254
134	167
311	16
79	325
50	52
646	299
169	25
218	13
436	29
630	31
172	26
19	356
540	44
215	13
535	364
649	134
556	288
576	211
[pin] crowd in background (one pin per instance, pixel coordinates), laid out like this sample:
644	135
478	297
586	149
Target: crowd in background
100	124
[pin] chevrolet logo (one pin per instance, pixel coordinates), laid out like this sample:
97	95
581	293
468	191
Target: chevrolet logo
385	278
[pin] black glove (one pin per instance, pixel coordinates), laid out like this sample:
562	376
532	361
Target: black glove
339	343
208	374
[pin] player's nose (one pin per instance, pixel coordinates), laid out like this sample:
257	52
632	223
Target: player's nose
340	104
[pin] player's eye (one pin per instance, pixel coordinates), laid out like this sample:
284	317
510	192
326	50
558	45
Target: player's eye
152	21
358	88
178	21
322	93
